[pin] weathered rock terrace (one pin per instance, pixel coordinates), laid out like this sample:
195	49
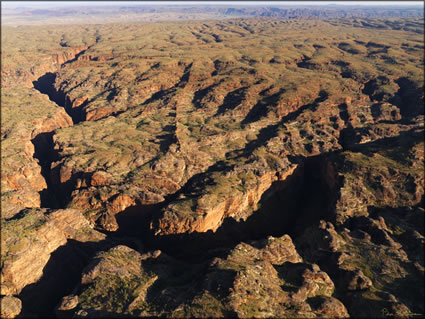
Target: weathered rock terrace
276	180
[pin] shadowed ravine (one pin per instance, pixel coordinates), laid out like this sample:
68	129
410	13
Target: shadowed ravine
276	217
46	85
248	171
43	142
284	210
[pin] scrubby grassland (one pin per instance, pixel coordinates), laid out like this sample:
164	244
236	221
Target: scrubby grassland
206	138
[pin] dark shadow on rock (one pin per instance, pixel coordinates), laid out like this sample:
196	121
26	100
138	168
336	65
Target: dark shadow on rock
409	99
76	56
375	109
410	222
185	77
165	141
200	94
291	274
287	207
60	276
45	84
134	220
113	92
162	94
305	64
45	154
64	190
269	132
404	141
372	88
179	283
360	307
260	109
231	100
409	290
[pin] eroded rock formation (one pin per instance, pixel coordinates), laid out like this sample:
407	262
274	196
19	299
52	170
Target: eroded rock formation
208	171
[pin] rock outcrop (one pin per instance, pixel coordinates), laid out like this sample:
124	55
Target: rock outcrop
29	239
24	148
250	282
10	306
239	168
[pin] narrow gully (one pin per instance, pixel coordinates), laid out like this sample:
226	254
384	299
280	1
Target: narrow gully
43	142
64	268
271	220
44	152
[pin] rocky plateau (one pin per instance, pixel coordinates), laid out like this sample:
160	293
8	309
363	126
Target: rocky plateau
247	167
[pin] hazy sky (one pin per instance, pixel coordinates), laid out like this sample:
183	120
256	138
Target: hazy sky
44	4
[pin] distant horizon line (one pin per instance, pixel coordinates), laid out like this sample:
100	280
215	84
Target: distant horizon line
62	4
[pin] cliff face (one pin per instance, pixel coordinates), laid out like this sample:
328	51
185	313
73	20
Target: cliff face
31	235
212	210
69	55
29	239
23	149
232	175
27	127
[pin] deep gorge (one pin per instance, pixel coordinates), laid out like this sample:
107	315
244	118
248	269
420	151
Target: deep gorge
285	209
201	170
